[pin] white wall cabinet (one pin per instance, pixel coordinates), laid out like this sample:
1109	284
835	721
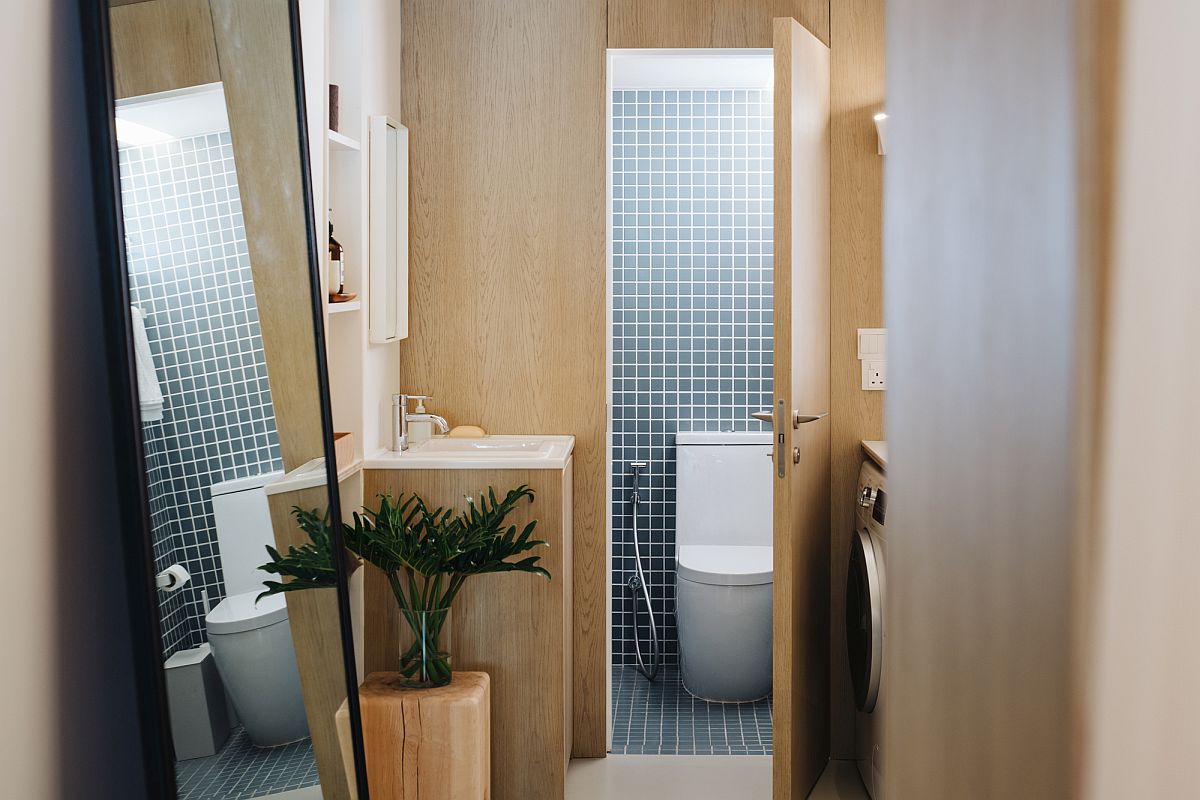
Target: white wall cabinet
388	296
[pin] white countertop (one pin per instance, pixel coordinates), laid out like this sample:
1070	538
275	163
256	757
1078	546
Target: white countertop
878	451
309	475
488	452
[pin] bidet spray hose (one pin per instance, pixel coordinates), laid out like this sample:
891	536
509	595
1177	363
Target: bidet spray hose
638	581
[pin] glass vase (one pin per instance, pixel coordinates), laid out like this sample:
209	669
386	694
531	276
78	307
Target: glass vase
426	662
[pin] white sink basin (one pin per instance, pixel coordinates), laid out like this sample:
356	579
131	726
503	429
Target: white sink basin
489	452
516	446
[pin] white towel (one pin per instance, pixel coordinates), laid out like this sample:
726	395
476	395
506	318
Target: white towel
150	393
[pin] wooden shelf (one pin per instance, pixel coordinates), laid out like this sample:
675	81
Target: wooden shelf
342	308
340	141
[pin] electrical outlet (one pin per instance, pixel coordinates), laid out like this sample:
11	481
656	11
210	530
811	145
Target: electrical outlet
874	376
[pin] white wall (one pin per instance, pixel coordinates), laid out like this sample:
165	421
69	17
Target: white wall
690	69
65	677
381	95
1144	705
316	97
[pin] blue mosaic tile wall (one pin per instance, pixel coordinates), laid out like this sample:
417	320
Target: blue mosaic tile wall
692	328
189	273
173	608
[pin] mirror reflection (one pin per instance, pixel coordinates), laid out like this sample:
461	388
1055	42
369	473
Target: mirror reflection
213	193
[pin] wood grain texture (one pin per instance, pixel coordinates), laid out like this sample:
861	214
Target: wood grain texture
980	243
162	45
856	92
1099	57
381	619
709	23
1142	708
515	627
801	498
254	48
424	744
316	636
505	105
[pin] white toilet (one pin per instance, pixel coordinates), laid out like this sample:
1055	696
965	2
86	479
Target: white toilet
723	563
251	641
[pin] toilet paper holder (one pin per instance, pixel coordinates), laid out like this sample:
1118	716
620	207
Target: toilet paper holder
172	578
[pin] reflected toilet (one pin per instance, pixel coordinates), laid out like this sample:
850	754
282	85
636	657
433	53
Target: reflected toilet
250	639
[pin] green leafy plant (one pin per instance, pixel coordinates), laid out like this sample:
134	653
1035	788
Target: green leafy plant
427	556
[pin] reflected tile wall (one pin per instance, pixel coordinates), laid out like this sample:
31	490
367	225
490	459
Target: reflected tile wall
190	275
692	312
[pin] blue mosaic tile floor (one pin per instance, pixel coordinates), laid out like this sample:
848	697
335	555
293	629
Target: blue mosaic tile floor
241	771
661	718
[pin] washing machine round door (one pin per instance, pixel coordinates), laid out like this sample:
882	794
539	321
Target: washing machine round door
864	619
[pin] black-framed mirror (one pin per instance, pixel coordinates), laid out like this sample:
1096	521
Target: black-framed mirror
221	394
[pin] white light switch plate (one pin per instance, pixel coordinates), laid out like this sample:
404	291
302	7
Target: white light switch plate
874	376
872	344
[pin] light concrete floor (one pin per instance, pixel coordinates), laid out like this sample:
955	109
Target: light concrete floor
678	778
311	793
696	778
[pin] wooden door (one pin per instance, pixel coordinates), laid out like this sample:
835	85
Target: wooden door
801	405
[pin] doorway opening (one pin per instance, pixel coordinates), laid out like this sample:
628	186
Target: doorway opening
690	235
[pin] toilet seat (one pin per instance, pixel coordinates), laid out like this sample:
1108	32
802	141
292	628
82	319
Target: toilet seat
239	613
726	565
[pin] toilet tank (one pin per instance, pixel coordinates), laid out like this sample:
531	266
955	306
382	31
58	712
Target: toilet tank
723	488
243	531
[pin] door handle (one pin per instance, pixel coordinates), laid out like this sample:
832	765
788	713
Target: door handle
799	419
763	416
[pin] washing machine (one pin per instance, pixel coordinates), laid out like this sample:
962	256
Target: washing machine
866	638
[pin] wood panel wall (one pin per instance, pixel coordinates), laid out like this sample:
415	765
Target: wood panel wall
709	23
505	105
856	86
981	245
513	626
160	45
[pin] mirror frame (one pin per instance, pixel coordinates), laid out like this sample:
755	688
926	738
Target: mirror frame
157	753
388	265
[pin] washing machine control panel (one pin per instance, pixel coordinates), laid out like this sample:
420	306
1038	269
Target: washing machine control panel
872	495
879	507
866	498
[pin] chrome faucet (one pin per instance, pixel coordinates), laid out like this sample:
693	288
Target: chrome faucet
401	418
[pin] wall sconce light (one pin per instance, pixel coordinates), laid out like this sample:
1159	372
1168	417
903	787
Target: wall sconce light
881	121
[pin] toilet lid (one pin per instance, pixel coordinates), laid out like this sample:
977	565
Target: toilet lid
725	565
239	612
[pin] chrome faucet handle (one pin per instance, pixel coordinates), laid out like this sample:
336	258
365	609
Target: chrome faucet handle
402	399
400	418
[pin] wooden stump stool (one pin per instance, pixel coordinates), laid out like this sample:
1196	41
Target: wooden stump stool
424	744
